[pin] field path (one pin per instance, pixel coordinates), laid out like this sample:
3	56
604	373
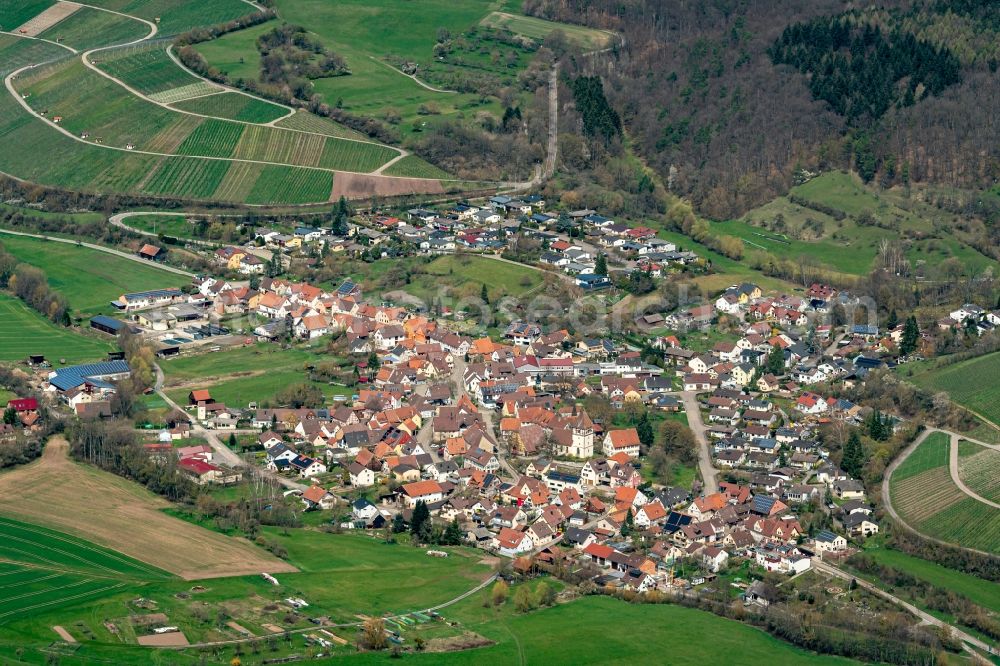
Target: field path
896	462
100	248
953	468
125	517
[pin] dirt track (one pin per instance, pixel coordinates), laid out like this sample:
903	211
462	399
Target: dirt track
56	492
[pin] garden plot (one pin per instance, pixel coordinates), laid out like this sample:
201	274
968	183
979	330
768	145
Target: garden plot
48	18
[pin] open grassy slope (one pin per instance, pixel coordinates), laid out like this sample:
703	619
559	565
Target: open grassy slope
88	278
792	229
970	383
24	332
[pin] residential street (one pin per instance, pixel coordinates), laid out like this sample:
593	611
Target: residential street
709	474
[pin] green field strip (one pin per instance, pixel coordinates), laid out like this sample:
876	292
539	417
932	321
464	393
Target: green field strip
169	139
930	454
308	122
181	93
213	138
267	144
981	473
17	52
15	13
60	598
104	559
88	28
239	181
356	156
177	16
412	166
146	68
187	177
233	106
24	332
276	184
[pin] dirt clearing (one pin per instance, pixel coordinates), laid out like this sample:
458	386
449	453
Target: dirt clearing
59	493
360	186
48	18
63	634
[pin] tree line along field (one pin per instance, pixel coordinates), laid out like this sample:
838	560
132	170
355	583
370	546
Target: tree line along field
24	332
980	471
90	279
88	28
927	499
970	383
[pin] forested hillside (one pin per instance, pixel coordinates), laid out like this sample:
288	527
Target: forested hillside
727	100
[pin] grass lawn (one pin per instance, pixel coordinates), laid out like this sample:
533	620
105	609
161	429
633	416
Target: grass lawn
468	273
24	332
90	279
932	453
567	634
246	374
971	383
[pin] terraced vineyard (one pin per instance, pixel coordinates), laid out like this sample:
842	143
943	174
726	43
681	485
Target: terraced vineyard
970	383
412	166
145	67
927	499
16	53
233	106
214	138
111	139
187	177
307	122
88	28
174	17
981	472
275	184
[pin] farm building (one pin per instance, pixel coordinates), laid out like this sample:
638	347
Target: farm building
151	252
107	325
